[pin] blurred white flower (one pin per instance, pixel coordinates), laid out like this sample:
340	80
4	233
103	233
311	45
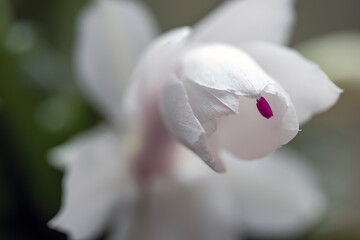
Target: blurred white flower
212	87
275	197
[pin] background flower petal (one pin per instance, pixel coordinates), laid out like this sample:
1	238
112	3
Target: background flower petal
96	183
245	20
277	197
189	210
111	37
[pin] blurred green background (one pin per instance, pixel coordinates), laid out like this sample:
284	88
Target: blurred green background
41	107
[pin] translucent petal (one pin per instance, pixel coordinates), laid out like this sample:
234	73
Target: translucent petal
96	183
247	20
212	105
276	197
181	122
110	38
188	210
309	88
157	63
249	135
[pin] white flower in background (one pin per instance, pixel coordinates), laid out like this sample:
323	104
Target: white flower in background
275	197
222	85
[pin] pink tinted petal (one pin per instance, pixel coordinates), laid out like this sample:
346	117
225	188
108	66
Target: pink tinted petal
156	153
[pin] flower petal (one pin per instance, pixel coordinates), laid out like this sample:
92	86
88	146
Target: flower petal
188	210
96	183
224	68
309	88
156	63
249	135
111	36
212	105
181	122
276	197
246	20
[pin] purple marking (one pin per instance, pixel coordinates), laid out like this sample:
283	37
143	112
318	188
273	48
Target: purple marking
264	108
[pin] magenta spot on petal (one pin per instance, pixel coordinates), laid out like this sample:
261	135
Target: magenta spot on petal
264	108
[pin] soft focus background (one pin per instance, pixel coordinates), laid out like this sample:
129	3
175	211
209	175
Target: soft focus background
41	106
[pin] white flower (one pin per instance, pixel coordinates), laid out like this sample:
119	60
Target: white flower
219	87
223	84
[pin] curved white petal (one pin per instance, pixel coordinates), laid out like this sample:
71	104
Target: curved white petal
248	135
309	88
181	121
96	183
246	20
223	67
211	104
157	62
277	197
110	37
